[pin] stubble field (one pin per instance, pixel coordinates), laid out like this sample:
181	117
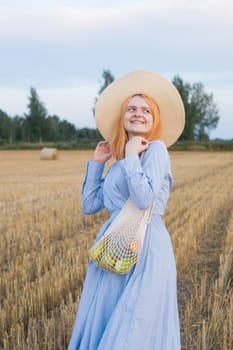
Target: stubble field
45	238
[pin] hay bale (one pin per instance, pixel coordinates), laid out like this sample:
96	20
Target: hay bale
49	154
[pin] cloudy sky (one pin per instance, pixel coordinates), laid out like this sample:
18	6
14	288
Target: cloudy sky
61	48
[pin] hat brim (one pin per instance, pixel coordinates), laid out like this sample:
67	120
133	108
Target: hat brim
163	92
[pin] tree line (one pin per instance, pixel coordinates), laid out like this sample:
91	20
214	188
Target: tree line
38	126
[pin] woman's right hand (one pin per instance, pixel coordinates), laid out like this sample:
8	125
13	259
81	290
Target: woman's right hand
102	152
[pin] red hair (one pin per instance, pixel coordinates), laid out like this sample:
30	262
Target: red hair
120	136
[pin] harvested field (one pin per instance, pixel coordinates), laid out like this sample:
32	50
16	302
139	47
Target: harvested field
45	237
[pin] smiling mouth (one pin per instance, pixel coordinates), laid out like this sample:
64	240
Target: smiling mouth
137	122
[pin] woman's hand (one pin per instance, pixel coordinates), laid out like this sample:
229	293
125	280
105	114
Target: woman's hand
102	152
136	145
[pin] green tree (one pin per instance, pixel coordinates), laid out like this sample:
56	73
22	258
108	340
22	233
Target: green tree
17	129
52	128
67	131
107	78
11	129
89	134
5	127
201	112
36	118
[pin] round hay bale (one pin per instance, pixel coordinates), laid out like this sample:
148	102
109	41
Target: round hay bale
48	154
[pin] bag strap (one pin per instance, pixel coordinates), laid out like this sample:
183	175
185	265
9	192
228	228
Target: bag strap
150	209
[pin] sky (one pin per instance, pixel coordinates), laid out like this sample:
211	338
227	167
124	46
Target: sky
62	47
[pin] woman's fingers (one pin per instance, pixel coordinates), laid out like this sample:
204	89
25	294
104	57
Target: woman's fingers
102	152
136	144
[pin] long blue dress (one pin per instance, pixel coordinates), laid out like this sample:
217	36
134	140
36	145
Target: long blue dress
136	311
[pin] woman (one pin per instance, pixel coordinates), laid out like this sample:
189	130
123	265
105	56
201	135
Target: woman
141	112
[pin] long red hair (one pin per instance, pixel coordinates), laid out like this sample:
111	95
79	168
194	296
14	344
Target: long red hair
120	136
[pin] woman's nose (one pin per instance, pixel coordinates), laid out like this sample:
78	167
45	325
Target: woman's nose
138	113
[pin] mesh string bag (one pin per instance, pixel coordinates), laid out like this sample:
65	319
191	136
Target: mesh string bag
118	249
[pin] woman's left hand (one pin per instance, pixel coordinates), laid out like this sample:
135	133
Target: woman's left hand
136	145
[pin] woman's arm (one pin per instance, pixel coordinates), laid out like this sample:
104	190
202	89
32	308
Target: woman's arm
145	181
92	190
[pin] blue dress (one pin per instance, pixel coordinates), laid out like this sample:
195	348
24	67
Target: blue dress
138	310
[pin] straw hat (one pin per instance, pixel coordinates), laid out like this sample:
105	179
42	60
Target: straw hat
163	92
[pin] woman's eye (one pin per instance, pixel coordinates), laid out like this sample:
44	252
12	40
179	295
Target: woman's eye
146	110
131	109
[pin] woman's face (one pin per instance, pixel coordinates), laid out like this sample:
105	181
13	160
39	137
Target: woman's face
138	119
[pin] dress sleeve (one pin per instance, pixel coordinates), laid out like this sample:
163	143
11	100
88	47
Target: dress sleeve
92	190
145	179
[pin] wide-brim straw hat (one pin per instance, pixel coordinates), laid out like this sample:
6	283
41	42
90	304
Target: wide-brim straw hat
163	92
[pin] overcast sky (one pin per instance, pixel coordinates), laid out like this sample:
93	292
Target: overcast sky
62	47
